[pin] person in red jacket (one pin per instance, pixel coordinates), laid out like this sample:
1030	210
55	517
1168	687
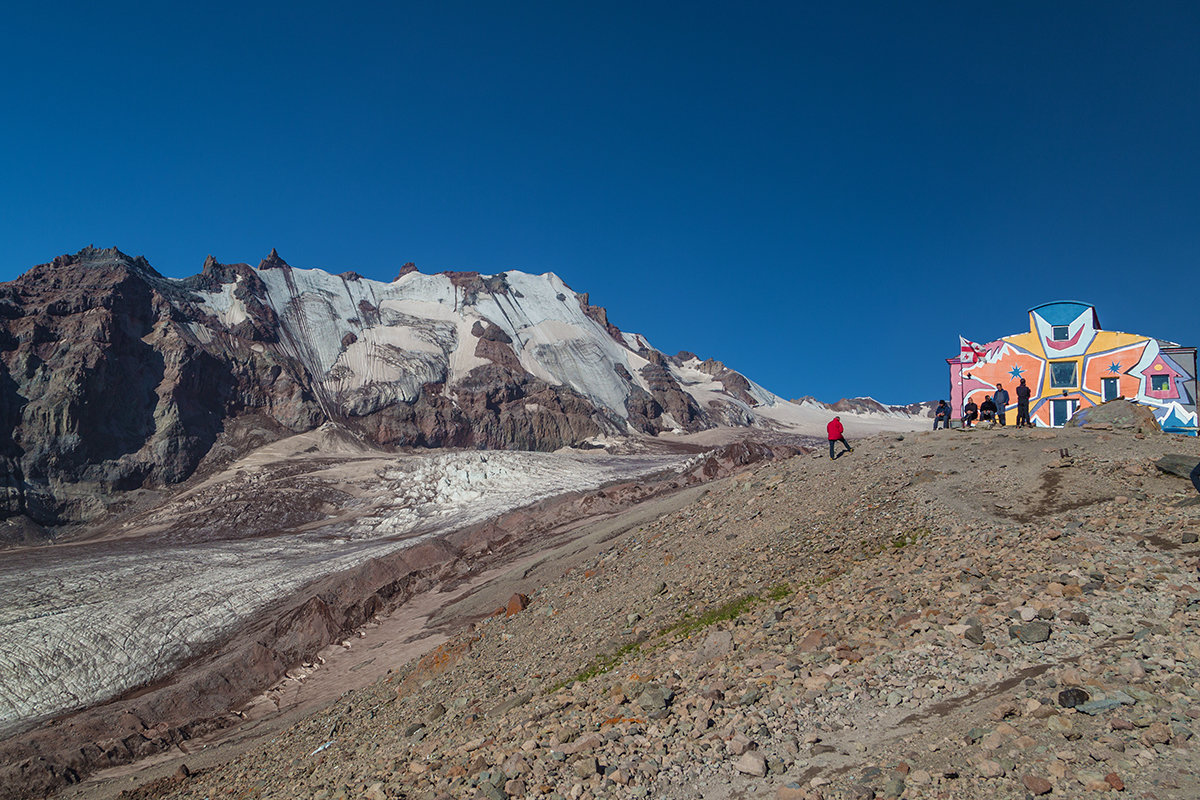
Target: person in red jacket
836	435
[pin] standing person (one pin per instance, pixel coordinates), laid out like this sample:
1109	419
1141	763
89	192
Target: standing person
1023	406
1000	398
836	434
941	414
1196	477
970	414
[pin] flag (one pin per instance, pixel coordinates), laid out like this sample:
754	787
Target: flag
968	351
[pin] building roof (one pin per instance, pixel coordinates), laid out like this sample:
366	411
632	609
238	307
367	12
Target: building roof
1064	312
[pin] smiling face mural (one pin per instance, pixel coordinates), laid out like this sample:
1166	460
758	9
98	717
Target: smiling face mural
1070	364
1064	329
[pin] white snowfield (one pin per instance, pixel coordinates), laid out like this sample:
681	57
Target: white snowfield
83	623
417	330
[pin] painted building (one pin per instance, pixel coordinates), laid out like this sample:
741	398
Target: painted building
1070	363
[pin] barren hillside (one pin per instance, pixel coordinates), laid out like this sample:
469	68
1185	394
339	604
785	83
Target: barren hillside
980	614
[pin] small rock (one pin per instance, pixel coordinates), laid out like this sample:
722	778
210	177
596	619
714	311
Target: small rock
509	704
516	604
1031	633
1060	724
1189	537
993	741
1036	785
991	769
738	745
974	634
1003	710
654	700
1069	698
514	766
751	763
586	767
716	645
1157	733
1114	780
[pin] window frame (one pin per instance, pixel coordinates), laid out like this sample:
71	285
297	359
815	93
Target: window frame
1166	383
1060	333
1055	383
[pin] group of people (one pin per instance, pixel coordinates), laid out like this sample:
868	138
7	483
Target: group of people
998	401
993	409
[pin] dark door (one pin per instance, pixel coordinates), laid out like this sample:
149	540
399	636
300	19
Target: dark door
1061	411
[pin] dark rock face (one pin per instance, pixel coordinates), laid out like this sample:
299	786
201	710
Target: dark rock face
101	388
491	409
600	315
735	383
670	396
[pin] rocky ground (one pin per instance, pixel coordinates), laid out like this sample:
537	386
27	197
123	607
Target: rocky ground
959	614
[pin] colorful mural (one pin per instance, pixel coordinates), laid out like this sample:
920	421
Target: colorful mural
1070	363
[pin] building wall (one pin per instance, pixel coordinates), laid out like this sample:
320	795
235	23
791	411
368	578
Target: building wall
1069	332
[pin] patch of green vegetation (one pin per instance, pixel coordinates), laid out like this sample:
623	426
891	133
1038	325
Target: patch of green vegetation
911	537
602	663
690	624
722	613
779	592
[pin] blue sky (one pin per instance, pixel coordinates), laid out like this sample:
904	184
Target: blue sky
822	195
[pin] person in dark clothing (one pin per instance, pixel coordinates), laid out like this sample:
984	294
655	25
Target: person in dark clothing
1023	405
941	414
1196	477
837	434
970	414
987	410
1000	398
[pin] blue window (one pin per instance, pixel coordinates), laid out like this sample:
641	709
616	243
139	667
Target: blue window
1062	374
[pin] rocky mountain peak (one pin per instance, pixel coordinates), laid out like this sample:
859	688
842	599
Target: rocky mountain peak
273	261
100	258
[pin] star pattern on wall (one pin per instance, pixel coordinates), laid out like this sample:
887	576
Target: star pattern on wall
1114	368
1016	372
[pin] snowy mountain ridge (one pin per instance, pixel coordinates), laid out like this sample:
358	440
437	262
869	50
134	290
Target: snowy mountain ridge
370	344
114	377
